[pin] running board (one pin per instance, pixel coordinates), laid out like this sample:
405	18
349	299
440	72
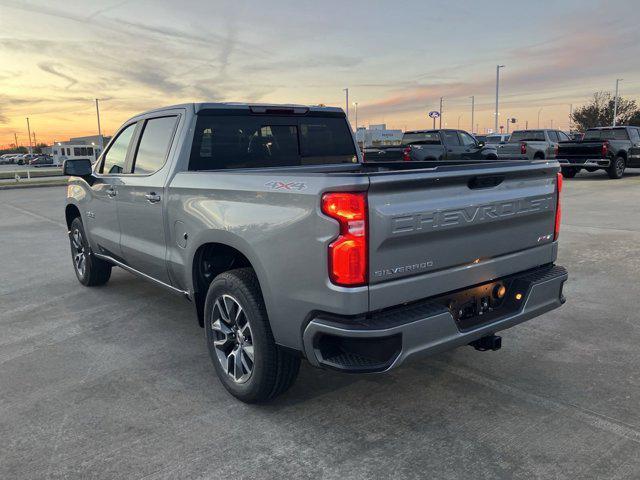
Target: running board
142	275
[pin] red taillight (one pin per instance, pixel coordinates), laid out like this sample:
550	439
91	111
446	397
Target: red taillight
605	149
556	150
523	148
556	232
348	252
406	154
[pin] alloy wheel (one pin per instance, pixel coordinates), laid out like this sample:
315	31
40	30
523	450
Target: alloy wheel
79	252
232	338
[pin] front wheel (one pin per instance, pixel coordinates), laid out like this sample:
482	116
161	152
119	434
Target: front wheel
244	354
91	271
617	167
569	172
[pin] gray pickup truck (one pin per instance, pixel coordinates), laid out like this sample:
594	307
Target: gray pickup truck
532	144
432	145
290	247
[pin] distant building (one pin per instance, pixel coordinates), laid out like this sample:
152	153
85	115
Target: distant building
377	135
79	147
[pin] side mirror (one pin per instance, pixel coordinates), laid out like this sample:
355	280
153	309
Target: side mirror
77	168
481	143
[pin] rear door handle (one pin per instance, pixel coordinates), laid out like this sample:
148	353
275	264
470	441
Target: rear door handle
152	197
111	192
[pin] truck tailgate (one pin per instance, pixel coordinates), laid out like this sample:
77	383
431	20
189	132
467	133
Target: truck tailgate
441	230
580	149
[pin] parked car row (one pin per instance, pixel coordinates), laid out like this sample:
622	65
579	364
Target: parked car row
26	159
612	149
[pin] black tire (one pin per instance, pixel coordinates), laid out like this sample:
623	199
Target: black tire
569	172
90	270
538	156
272	370
617	167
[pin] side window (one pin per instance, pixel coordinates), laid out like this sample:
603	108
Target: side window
467	140
154	145
635	134
553	136
116	156
563	137
451	138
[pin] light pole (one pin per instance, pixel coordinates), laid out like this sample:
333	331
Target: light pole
473	106
498	67
570	117
459	117
98	115
440	117
539	112
615	103
355	104
29	131
15	137
346	92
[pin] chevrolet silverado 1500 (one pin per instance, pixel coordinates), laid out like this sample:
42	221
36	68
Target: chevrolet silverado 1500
290	247
532	144
432	145
604	148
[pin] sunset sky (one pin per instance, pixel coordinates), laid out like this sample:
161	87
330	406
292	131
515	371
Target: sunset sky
397	58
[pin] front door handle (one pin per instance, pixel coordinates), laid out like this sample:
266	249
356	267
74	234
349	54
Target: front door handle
152	197
111	192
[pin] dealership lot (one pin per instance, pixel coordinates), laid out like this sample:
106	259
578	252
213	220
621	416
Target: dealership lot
117	382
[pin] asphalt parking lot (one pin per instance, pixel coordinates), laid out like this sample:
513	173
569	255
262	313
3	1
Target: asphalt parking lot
116	382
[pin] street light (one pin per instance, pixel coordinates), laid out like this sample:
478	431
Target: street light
539	112
615	103
473	106
498	67
459	117
346	92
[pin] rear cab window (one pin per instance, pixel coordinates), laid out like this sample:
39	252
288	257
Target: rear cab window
239	139
527	136
607	134
421	138
154	144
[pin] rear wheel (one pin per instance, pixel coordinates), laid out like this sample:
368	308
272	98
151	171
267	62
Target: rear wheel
91	271
617	167
569	172
244	354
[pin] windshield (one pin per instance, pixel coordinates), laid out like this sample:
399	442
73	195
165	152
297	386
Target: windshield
607	134
527	136
422	138
241	140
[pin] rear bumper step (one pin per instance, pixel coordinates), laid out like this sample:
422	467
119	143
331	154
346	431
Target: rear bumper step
384	340
582	162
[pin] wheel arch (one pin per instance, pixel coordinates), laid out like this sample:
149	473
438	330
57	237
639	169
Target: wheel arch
215	256
71	211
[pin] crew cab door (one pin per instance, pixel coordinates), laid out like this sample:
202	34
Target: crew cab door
102	221
471	148
141	198
453	148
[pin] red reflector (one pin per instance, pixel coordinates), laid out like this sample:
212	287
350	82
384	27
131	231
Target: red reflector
605	149
556	232
348	253
406	154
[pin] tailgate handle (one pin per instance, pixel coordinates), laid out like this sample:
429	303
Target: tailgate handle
485	182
